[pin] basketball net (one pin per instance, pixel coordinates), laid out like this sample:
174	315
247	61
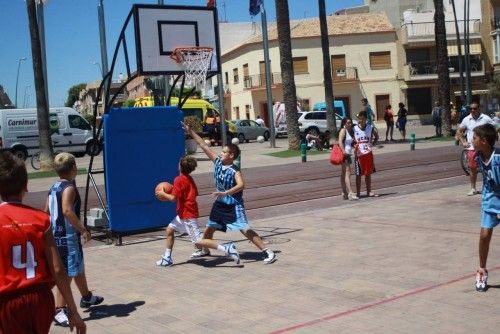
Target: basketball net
195	62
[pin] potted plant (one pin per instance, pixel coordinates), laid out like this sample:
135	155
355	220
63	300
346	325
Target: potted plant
197	126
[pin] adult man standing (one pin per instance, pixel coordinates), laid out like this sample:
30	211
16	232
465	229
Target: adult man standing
369	112
260	121
464	134
436	118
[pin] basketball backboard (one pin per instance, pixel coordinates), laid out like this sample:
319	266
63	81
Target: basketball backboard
161	29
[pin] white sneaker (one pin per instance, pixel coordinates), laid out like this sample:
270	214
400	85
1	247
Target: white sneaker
353	197
232	252
200	253
165	262
270	256
482	280
61	318
472	192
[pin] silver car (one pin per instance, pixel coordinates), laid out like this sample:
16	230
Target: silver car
249	130
314	122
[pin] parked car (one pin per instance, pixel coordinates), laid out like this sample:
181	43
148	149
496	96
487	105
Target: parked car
249	130
281	130
314	122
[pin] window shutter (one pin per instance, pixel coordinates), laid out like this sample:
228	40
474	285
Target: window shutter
380	60
300	65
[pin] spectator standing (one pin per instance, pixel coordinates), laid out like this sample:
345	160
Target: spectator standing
402	114
389	122
465	135
483	139
260	121
346	143
365	136
436	114
368	109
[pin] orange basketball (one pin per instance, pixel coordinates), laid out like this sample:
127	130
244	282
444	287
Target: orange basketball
165	186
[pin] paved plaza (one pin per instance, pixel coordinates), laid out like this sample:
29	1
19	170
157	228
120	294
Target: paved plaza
393	264
400	263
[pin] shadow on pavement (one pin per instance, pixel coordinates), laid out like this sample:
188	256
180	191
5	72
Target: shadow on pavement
116	310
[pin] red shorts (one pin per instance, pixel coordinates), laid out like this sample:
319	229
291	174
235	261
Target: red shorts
30	312
364	165
471	157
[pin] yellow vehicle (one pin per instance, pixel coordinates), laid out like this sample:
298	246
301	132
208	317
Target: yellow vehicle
192	107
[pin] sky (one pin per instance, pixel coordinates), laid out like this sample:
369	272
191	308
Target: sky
72	38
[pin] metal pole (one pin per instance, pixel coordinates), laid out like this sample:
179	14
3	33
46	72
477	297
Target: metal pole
166	78
17	77
223	126
467	52
41	32
24	98
466	58
460	66
104	52
265	42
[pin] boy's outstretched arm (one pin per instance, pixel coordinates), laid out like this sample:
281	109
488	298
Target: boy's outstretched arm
210	154
59	274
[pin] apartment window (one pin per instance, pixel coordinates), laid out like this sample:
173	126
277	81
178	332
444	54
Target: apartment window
300	65
236	78
247	111
380	60
226	75
338	66
237	112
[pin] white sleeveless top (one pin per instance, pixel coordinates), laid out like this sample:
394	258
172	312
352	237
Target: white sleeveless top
348	142
363	139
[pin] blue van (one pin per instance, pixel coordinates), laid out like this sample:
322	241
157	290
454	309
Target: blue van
338	105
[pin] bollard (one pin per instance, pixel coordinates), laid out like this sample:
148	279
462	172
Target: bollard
412	142
237	161
303	152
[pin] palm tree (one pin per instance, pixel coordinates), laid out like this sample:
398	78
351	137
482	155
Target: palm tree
46	151
289	91
442	65
327	70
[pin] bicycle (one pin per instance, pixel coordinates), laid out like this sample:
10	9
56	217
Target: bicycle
35	159
464	161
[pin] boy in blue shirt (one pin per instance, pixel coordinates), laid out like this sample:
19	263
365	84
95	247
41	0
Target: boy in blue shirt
488	157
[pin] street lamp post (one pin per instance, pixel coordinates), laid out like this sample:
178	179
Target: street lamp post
24	98
100	68
17	76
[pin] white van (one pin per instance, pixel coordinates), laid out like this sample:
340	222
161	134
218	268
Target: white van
19	131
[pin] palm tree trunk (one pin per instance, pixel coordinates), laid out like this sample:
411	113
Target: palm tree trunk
327	70
289	91
46	152
442	66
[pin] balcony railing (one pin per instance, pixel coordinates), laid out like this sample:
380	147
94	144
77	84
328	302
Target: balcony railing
429	68
425	30
259	80
345	74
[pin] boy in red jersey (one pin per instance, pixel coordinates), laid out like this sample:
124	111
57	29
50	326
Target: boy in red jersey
29	260
184	191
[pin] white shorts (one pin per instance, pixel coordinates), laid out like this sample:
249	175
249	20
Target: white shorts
189	226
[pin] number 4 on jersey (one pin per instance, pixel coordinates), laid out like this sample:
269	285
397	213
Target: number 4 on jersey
30	264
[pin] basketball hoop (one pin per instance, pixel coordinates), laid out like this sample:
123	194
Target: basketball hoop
195	61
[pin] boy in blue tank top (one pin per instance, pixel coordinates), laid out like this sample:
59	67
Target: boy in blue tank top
488	157
228	210
63	205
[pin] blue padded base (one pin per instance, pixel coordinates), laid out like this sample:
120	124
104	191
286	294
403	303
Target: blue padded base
142	147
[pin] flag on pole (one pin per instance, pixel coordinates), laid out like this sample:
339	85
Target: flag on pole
255	7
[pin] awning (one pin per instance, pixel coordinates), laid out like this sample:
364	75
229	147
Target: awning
474	47
474	92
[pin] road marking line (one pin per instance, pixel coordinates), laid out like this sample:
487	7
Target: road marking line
377	303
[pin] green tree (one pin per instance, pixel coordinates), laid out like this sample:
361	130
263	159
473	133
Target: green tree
74	94
289	90
443	71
